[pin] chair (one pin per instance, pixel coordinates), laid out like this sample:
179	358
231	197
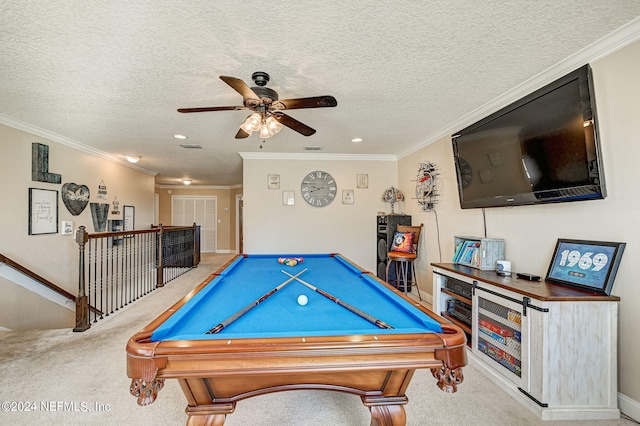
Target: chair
403	257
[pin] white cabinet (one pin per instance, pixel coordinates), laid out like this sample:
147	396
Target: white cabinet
551	347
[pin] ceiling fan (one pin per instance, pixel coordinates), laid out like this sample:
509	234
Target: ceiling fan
268	116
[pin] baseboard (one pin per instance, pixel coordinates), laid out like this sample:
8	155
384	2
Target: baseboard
629	407
545	413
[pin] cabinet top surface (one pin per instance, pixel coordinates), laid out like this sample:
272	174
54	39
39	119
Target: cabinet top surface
539	290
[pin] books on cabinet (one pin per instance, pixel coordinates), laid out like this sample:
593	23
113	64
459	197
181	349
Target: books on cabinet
479	253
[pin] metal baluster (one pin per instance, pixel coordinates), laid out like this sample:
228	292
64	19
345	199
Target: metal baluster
102	254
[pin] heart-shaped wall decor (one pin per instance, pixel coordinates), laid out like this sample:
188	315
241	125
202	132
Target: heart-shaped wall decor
75	197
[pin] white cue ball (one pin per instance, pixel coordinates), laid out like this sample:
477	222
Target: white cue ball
303	300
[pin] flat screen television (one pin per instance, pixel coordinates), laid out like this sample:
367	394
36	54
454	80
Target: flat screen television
542	148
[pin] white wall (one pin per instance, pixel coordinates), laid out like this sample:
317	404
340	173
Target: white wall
531	231
55	256
350	229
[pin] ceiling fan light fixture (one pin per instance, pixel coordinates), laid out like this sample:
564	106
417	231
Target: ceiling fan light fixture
187	181
265	132
252	123
273	125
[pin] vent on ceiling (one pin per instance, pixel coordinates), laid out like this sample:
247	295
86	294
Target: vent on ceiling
190	146
312	148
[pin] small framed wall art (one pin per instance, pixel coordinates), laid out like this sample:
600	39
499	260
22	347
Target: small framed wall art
288	198
362	180
347	196
273	181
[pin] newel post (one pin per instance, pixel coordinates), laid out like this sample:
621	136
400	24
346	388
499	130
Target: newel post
160	272
82	303
196	245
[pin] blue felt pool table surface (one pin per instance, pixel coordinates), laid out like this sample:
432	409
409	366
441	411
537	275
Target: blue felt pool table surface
249	277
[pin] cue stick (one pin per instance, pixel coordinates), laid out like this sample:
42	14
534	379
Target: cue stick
353	309
252	305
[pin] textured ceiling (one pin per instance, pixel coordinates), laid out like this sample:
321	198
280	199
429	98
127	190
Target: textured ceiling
109	75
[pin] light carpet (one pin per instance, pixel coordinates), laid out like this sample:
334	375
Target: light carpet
57	377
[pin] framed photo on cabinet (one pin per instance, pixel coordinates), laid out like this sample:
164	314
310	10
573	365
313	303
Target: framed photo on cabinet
589	265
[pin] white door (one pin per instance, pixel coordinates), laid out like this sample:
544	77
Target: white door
185	211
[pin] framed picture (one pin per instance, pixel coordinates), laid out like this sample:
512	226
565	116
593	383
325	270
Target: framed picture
273	181
43	211
590	265
129	218
362	181
288	198
67	227
347	196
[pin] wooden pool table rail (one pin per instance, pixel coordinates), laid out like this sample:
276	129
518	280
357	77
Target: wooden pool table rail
216	373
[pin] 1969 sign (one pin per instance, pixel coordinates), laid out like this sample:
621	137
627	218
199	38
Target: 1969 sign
584	261
587	264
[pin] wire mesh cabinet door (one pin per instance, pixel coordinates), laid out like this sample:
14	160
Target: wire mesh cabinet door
501	335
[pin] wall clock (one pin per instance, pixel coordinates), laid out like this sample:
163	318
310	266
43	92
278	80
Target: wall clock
318	188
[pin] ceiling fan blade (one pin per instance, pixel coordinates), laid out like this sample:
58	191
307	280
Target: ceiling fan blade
242	134
314	102
294	124
205	109
240	87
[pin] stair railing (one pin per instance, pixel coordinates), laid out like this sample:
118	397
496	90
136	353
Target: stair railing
117	268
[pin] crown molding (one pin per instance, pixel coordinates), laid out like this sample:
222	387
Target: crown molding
183	186
316	156
54	137
608	44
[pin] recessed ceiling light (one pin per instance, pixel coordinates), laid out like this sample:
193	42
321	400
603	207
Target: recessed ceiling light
132	158
187	181
180	137
356	140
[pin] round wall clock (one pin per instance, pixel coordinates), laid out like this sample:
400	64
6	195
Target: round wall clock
318	188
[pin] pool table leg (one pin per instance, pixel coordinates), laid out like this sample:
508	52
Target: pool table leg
387	411
209	415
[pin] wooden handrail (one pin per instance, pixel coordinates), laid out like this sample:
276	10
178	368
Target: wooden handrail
37	277
153	230
41	280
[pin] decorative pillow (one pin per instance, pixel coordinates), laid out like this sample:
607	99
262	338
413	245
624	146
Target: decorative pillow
402	242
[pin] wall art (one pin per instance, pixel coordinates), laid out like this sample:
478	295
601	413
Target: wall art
40	165
129	218
43	211
99	213
75	197
102	191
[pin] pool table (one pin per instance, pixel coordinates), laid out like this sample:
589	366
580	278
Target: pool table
355	334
